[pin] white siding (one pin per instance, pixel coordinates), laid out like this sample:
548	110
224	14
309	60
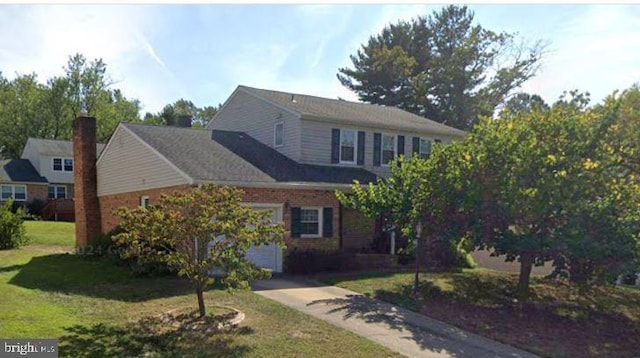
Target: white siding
247	113
31	153
316	139
127	165
46	170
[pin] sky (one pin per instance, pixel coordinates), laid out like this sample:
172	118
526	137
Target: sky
161	53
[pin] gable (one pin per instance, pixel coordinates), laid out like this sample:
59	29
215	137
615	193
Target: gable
128	164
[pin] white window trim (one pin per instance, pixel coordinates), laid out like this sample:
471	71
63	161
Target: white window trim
62	170
395	147
320	222
55	191
13	192
275	131
420	145
142	199
355	147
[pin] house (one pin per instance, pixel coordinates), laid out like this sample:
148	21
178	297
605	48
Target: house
288	152
53	160
44	173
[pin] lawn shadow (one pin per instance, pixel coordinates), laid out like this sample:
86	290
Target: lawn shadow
150	336
95	277
431	335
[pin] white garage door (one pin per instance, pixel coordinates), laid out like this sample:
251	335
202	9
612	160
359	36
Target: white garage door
267	256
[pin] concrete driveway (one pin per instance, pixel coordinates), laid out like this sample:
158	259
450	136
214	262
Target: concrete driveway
398	329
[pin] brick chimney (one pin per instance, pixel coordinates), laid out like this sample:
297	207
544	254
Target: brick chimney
184	121
87	208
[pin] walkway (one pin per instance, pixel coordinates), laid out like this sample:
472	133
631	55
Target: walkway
398	329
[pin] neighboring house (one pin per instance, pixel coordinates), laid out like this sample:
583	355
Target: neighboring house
288	152
20	182
53	160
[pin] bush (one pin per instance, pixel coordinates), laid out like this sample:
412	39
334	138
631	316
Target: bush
35	206
310	261
12	234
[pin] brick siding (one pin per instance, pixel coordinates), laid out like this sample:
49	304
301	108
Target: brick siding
358	229
288	197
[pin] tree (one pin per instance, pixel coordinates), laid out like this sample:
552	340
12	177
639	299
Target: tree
546	185
29	108
179	229
523	102
420	198
442	67
170	113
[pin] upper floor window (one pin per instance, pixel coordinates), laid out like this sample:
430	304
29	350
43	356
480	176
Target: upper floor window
278	135
388	148
15	192
425	148
57	192
348	144
62	164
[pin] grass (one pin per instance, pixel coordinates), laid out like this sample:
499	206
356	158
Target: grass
559	319
96	308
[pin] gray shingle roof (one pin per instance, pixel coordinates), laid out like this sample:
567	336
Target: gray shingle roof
358	113
212	155
19	170
57	147
197	155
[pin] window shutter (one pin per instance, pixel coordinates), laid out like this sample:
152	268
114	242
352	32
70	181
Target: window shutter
416	145
335	145
295	222
361	139
377	144
327	222
400	145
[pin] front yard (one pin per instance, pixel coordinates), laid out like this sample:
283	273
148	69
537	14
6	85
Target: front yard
559	321
97	309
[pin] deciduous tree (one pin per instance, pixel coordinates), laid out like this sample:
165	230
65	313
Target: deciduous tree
179	229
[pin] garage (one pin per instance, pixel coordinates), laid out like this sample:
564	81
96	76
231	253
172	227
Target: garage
267	256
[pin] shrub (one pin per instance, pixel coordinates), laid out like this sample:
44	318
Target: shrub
35	206
310	261
12	234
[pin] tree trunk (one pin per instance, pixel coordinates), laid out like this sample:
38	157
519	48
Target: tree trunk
200	302
526	264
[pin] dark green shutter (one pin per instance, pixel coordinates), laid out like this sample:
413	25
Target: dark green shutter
361	148
335	145
437	141
400	145
377	144
416	145
327	222
295	222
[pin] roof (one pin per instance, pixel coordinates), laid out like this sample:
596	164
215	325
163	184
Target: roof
319	108
213	155
19	170
57	147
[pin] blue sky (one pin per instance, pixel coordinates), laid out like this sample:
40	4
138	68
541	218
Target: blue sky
160	53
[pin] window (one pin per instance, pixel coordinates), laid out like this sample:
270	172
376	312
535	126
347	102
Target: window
278	135
15	192
388	148
57	192
310	219
62	164
425	148
348	146
144	201
68	165
57	164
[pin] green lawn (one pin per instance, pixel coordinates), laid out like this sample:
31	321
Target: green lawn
96	308
560	320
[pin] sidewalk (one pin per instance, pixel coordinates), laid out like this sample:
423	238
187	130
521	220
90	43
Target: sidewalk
398	329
